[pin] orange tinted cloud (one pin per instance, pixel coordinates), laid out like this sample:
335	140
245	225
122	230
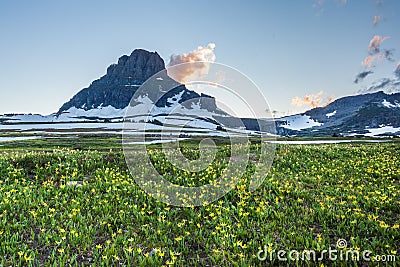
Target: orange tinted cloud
312	100
368	61
200	58
374	44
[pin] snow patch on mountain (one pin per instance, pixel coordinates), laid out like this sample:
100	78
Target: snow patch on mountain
189	122
99	112
299	122
146	106
382	130
71	115
390	105
328	115
176	98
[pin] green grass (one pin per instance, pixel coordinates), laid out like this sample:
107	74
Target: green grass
313	195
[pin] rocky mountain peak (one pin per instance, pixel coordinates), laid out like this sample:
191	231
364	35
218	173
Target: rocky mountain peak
117	87
139	66
121	81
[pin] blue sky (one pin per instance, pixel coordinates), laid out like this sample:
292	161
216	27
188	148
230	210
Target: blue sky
49	50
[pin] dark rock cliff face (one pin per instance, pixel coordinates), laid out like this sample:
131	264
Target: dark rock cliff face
137	67
122	80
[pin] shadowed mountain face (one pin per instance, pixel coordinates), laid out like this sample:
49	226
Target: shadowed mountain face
122	80
361	110
350	115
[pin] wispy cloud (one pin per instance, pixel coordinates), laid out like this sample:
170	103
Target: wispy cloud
362	75
367	62
312	100
375	44
200	58
376	20
387	85
320	5
388	54
375	54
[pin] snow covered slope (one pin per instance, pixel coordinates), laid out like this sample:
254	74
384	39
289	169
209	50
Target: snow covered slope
298	122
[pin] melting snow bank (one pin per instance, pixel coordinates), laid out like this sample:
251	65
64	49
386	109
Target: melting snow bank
192	129
59	126
71	115
299	122
18	138
316	142
108	112
381	131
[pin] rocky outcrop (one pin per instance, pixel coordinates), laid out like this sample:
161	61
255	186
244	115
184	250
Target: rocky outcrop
136	68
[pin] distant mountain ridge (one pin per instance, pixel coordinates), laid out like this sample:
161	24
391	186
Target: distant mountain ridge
108	98
348	116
